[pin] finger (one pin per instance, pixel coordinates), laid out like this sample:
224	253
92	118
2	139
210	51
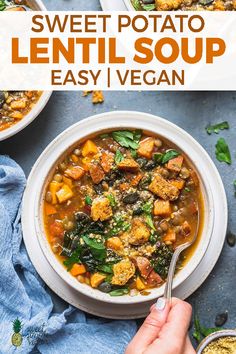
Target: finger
176	328
188	347
151	327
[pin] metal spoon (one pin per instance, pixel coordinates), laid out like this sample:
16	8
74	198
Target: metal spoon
179	249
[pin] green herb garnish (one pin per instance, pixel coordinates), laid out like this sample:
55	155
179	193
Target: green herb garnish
105	268
118	157
147	209
222	151
186	189
88	200
119	225
149	7
164	158
200	331
112	200
169	155
119	292
2	5
128	139
217	127
136	5
74	258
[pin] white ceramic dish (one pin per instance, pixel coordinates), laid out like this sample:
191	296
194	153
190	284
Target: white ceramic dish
114	120
36	5
114	5
129	5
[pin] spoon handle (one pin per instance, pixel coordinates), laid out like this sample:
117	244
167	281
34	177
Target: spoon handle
171	273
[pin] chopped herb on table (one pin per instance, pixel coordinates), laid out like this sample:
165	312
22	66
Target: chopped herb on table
201	332
217	127
223	152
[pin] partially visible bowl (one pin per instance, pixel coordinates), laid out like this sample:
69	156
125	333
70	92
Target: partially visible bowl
129	5
213	337
36	5
115	120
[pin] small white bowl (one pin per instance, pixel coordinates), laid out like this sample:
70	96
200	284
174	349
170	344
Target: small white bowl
213	337
198	157
36	5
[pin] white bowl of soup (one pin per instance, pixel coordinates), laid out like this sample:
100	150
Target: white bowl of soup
116	193
19	108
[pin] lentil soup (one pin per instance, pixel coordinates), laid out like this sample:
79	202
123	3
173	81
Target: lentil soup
15	105
116	207
184	5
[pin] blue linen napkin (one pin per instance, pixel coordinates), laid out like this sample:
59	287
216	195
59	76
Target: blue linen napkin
23	296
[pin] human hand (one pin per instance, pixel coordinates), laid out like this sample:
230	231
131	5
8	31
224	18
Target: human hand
165	330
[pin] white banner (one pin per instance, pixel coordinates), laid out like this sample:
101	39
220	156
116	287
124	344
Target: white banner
118	51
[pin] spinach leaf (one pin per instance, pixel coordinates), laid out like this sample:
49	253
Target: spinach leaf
2	5
222	151
127	138
154	238
112	200
88	200
97	249
74	258
157	157
217	127
149	7
201	331
164	158
136	4
106	268
169	155
147	209
118	157
119	292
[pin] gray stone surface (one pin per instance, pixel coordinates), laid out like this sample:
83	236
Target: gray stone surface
190	110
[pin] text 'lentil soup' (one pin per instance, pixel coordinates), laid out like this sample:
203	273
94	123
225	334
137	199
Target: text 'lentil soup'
15	105
116	208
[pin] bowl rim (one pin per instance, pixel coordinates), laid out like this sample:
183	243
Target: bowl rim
129	5
39	105
214	336
58	141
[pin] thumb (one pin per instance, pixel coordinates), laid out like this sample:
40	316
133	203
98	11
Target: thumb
151	327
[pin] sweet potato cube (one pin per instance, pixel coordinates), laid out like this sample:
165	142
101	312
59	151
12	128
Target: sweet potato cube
89	148
170	237
162	207
140	284
163	188
19	104
75	172
114	243
107	160
78	269
101	209
96	279
64	193
54	188
49	209
175	164
96	172
146	147
128	164
178	183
